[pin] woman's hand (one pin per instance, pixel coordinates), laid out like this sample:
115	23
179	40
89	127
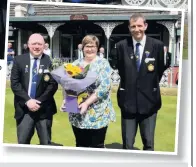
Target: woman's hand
83	107
62	106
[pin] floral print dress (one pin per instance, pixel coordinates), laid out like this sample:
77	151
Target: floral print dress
101	113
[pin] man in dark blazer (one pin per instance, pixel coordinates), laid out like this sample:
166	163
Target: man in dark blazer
33	89
78	53
140	65
167	58
101	52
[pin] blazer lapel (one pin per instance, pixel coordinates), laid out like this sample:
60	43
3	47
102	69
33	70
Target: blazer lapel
27	70
130	51
41	70
148	48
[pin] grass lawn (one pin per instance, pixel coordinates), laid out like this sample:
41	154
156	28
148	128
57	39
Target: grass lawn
185	53
62	132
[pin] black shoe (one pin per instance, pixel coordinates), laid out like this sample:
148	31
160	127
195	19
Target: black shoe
55	144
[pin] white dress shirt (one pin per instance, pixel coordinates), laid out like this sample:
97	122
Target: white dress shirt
47	52
30	72
141	46
101	55
80	54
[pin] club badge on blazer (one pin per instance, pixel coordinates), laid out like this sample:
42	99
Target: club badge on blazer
150	67
149	61
150	64
46	78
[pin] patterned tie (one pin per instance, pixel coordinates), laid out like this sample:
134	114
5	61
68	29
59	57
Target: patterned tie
34	79
137	54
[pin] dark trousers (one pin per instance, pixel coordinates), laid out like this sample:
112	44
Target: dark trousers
26	128
146	124
90	137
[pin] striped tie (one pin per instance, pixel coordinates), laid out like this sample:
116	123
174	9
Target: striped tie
137	54
34	79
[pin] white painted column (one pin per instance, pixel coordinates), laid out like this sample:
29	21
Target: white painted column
108	28
170	25
51	28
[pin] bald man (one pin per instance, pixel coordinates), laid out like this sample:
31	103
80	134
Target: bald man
33	89
78	53
101	52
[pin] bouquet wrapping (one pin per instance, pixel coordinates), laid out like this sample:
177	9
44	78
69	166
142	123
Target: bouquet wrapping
75	83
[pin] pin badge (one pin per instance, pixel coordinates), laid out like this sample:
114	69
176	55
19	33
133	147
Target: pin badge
40	71
26	68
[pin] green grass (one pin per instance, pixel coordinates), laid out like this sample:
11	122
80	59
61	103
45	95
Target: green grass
62	132
185	53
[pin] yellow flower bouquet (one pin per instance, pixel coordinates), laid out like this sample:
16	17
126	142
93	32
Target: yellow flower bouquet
75	71
76	81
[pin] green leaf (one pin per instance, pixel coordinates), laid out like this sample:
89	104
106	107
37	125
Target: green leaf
87	68
80	76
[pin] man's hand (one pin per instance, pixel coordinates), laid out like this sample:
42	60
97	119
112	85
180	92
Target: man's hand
33	105
83	107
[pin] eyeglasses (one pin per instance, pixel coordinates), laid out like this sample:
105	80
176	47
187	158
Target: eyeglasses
90	47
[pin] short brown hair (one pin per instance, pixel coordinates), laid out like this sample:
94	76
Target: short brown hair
137	16
90	39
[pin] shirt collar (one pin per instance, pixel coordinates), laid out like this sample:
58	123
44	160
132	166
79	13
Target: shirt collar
31	57
142	42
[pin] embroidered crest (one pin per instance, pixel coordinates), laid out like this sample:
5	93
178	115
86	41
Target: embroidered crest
46	78
150	67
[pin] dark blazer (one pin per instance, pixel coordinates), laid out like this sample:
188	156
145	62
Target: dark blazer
75	54
24	51
45	89
139	92
168	60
